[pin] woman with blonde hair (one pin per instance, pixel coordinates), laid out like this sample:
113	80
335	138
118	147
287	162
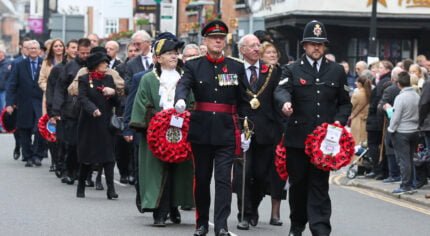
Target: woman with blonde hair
360	108
270	55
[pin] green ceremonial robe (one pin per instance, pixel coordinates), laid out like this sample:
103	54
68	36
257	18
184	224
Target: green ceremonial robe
152	171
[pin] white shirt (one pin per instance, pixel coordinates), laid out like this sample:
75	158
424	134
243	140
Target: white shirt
147	57
248	70
311	62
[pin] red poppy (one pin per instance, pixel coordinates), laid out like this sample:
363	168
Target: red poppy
224	69
281	159
43	130
302	81
264	68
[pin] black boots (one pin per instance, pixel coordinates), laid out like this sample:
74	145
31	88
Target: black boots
81	189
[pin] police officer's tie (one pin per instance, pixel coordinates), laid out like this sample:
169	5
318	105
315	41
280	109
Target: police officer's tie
253	79
315	66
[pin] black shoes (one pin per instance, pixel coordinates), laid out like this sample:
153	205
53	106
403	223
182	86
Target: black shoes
275	222
201	231
52	168
89	183
99	185
254	219
243	225
68	180
81	190
159	222
16	154
222	232
294	233
111	194
175	216
123	179
37	162
131	180
29	164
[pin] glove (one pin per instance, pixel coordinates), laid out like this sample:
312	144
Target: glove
244	143
390	112
180	106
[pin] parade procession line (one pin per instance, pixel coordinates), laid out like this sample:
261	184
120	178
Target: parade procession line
378	190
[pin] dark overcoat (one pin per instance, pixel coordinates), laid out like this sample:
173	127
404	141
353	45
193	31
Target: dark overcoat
95	143
24	92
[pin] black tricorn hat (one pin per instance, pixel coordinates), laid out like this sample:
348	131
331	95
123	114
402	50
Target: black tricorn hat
315	33
215	27
165	45
94	59
8	121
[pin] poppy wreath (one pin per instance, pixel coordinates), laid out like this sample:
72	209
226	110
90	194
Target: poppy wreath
49	136
328	162
5	127
281	159
159	131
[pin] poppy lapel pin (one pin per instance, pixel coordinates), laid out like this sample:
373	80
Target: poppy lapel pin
302	82
264	68
224	69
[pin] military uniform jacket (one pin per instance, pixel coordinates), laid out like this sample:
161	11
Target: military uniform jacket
265	119
202	77
316	97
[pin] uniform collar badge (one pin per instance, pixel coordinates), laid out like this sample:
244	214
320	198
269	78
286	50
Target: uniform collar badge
317	30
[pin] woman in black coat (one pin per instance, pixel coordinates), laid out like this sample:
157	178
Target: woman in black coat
95	144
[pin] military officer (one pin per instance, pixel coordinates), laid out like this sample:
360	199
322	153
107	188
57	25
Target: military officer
257	104
312	91
214	128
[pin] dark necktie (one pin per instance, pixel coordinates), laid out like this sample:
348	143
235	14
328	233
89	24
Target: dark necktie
315	66
33	69
145	58
253	79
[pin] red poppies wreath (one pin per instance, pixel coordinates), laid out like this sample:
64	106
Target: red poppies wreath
281	159
168	143
49	136
5	127
324	161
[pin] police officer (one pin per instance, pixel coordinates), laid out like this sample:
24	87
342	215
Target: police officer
214	133
312	91
257	104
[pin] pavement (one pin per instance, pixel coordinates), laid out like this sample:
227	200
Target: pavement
385	188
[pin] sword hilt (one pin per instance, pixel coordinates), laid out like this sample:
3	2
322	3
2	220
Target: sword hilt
246	130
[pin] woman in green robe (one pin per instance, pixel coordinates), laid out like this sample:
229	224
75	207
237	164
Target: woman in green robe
162	186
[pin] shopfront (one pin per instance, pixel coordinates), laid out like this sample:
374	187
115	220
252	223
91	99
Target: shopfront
403	26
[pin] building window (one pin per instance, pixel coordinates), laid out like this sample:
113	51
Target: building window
111	26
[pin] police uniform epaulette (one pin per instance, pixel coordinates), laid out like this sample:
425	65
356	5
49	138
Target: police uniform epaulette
235	59
194	57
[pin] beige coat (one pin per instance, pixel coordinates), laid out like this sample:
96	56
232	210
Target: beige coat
360	110
45	70
119	82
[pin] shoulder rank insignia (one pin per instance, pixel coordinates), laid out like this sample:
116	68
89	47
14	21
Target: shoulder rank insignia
236	59
194	57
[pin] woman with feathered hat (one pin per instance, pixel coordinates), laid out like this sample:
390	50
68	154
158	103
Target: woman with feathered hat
163	186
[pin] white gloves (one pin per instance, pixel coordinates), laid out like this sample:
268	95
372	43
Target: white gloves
180	106
244	143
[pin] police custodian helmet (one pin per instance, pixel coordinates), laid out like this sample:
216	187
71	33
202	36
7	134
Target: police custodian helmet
315	33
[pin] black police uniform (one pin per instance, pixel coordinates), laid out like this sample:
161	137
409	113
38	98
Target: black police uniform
316	97
213	132
267	130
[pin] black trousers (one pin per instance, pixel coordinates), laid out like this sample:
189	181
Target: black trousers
108	167
123	155
206	157
71	160
374	140
259	161
309	199
17	142
31	149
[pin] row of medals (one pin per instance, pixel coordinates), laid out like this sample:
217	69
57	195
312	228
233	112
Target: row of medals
232	79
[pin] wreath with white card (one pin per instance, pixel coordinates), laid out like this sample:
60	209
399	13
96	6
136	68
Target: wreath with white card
167	136
330	147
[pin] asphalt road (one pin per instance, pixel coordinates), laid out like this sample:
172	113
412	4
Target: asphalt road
34	202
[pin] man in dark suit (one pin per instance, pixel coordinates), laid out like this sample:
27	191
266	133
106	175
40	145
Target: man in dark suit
25	95
257	104
214	133
312	91
112	48
142	40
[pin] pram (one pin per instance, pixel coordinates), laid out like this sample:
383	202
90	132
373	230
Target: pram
361	163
